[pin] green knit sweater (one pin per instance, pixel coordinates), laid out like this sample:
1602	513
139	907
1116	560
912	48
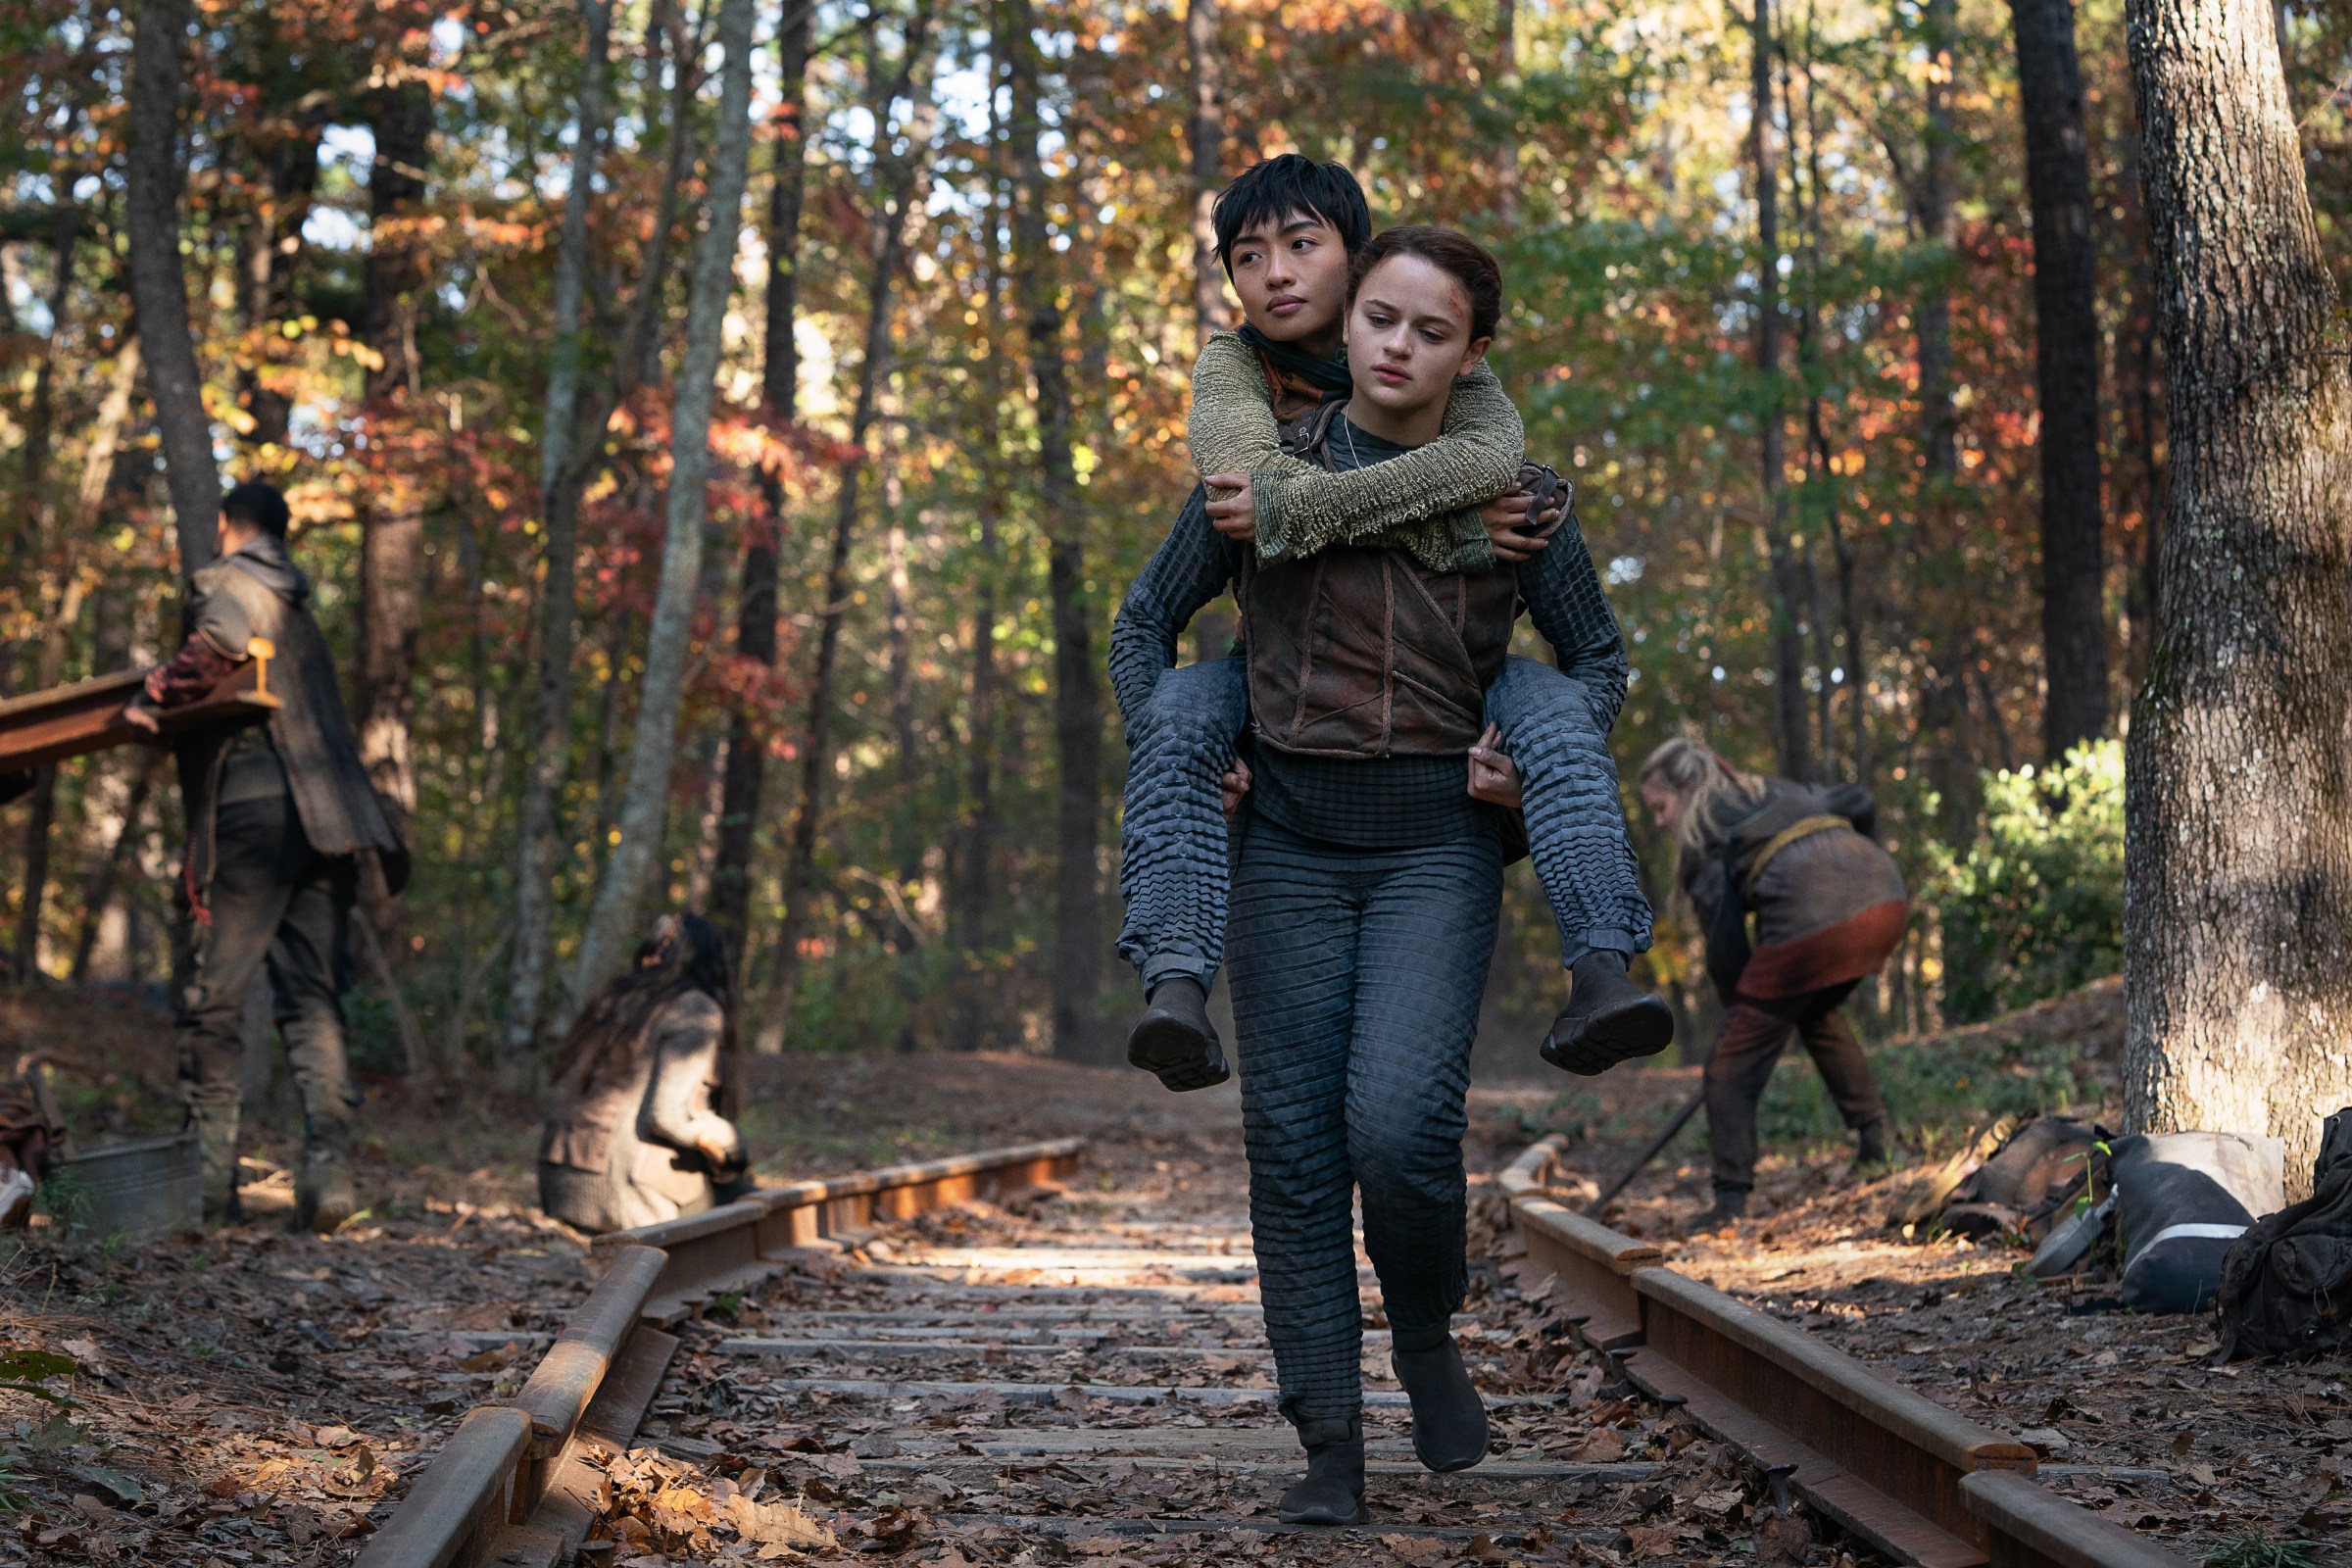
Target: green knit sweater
1425	501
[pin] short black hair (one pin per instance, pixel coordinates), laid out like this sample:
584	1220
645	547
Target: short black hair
257	503
1275	189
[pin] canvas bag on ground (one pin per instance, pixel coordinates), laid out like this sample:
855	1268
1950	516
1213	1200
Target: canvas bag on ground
2183	1199
2286	1284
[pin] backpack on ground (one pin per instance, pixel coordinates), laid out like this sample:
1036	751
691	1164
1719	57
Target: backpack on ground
2183	1200
2286	1284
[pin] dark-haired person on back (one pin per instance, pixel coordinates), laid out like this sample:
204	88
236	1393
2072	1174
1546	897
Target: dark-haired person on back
1288	230
279	814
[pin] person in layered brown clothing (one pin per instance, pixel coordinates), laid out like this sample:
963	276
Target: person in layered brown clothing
635	1136
279	815
1830	907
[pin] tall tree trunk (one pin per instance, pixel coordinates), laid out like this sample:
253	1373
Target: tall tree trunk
1791	721
2066	345
1077	700
269	250
2238	881
1504	80
630	873
755	611
392	515
1940	423
158	289
538	835
1943	692
1817	438
1205	132
976	846
99	891
893	200
100	470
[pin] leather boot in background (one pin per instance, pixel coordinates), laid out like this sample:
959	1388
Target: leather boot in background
325	1193
215	1129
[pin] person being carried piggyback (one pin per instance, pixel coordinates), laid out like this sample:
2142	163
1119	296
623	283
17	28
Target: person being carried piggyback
1287	232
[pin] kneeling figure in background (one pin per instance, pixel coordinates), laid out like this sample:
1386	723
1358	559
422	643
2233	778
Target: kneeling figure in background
635	1136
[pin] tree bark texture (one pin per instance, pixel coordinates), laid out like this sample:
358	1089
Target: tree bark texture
392	513
1077	700
756	609
2066	348
2238	884
630	873
1205	132
158	287
1793	724
1944	700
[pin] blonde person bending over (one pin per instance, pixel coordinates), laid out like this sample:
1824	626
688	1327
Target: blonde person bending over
634	1136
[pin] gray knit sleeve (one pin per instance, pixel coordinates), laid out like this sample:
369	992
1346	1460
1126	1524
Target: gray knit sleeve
1301	508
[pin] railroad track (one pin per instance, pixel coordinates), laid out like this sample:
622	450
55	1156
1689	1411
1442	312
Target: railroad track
1093	1372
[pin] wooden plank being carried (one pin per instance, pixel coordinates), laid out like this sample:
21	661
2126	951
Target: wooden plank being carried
43	727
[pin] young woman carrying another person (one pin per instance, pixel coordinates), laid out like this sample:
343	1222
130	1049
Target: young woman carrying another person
1367	886
1830	907
1461	502
635	1136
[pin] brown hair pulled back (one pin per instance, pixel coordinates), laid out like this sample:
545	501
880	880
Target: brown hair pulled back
1457	255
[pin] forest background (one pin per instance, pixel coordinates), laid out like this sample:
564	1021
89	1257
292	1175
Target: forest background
454	275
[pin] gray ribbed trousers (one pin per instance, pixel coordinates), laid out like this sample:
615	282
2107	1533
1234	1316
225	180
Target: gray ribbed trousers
1356	977
1174	861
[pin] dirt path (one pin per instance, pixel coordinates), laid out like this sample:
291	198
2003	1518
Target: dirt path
258	1397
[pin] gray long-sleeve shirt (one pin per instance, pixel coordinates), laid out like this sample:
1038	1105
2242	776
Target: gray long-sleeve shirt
1558	587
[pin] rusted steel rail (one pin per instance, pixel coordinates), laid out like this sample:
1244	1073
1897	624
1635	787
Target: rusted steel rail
49	726
1901	1471
516	1485
733	1246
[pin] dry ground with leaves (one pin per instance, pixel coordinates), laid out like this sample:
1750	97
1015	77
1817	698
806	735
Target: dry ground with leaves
256	1395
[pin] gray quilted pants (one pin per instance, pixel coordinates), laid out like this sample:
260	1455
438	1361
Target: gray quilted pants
1174	865
1356	978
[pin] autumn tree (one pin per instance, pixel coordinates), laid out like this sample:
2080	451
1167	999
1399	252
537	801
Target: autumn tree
158	289
2066	350
621	893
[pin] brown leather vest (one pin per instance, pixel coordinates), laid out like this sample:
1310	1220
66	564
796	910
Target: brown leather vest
1363	652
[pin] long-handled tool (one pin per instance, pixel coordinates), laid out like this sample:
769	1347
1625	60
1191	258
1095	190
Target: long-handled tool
1650	1152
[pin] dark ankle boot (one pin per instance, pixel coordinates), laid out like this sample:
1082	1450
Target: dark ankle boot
1175	1039
1731	1203
325	1191
1608	1018
215	1129
1449	1419
1870	1144
1332	1491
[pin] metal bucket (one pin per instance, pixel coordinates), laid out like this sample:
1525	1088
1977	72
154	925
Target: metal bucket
146	1188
